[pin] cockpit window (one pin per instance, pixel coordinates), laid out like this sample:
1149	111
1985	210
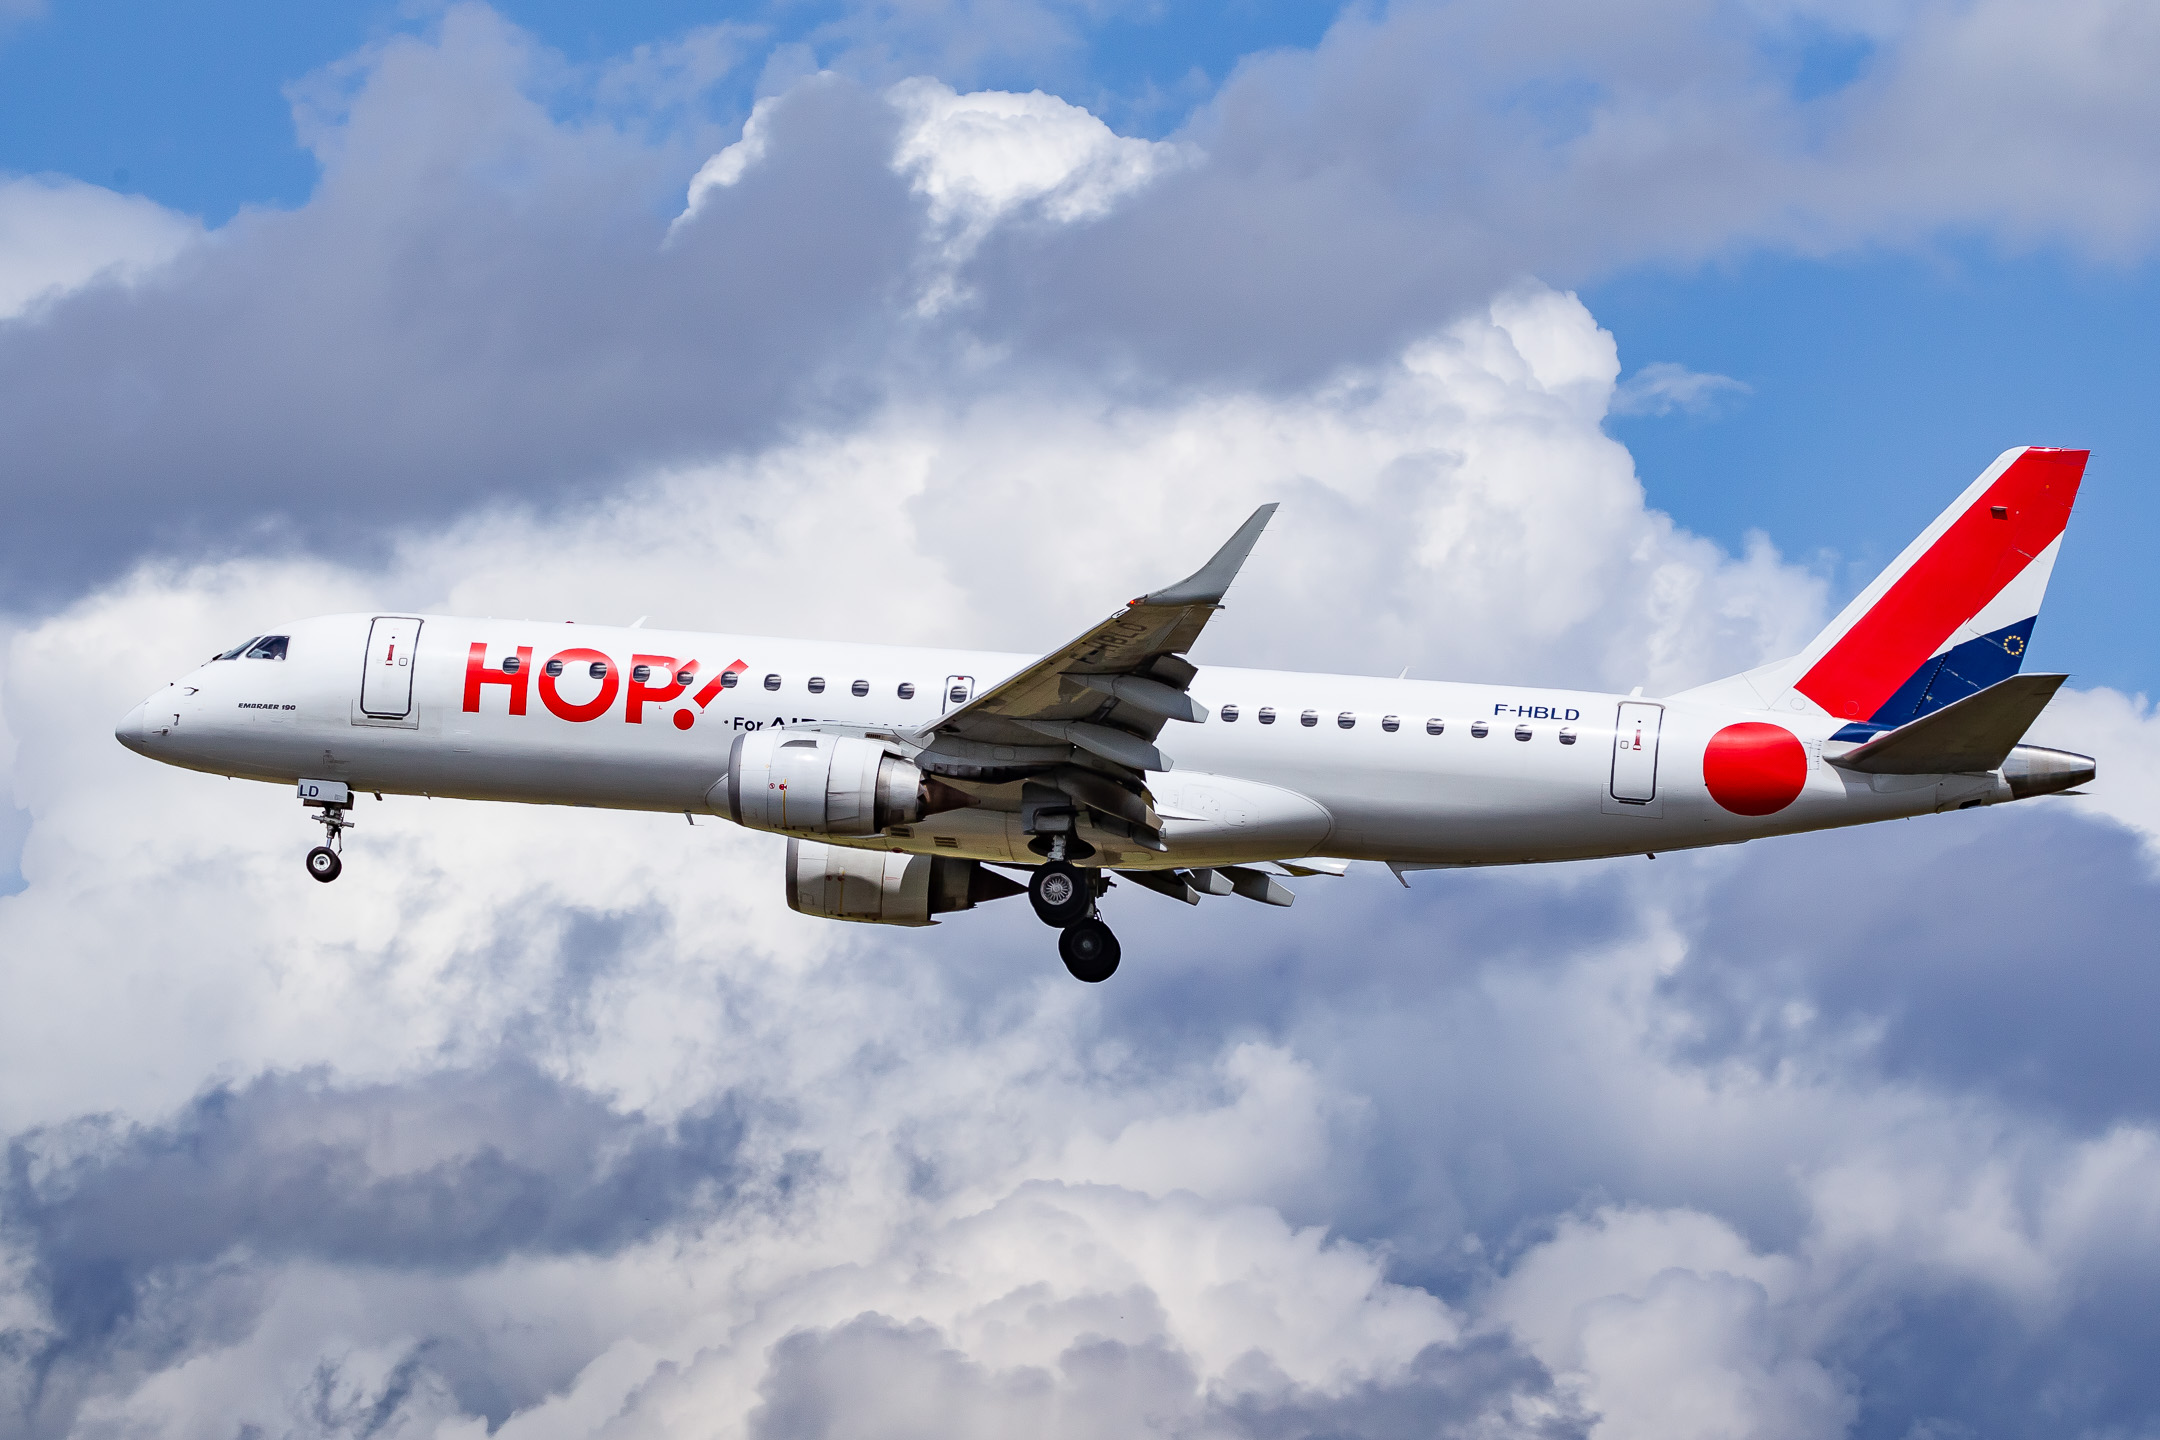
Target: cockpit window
238	650
270	647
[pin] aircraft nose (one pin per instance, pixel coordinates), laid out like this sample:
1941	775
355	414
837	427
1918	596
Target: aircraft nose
129	731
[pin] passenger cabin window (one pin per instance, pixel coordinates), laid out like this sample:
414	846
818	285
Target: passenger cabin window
684	677
958	695
1479	729
1567	737
553	667
859	689
1229	714
907	691
728	678
270	647
1522	732
598	669
238	650
1267	714
1391	723
510	664
817	684
641	673
772	682
1435	726
1346	719
1309	719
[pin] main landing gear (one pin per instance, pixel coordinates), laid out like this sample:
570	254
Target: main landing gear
1064	898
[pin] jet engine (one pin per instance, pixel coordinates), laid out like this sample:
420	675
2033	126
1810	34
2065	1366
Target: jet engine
827	785
880	887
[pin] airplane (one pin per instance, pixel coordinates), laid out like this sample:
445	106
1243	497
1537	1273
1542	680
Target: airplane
916	782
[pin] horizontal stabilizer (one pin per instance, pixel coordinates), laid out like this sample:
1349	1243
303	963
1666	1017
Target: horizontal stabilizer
1972	734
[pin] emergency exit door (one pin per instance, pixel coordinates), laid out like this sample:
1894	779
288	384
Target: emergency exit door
386	684
1634	755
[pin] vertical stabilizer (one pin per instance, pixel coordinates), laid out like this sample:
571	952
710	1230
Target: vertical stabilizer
1951	616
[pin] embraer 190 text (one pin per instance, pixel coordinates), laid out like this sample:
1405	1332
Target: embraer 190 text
915	782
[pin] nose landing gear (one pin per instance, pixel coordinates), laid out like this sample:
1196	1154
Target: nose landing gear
332	802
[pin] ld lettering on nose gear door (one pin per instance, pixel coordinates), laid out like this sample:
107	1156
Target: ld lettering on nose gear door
386	683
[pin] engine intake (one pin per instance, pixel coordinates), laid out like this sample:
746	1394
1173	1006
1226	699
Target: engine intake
880	887
827	785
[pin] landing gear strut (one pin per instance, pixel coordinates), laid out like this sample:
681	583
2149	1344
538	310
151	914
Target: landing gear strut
1064	899
332	802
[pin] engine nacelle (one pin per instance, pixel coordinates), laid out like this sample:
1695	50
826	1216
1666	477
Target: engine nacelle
881	887
821	784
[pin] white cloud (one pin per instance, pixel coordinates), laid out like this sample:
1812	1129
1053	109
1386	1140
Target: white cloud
1668	1325
976	160
2122	733
727	166
59	235
977	1160
979	157
966	1190
1662	387
652	962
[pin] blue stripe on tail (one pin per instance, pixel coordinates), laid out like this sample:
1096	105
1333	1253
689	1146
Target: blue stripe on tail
1958	672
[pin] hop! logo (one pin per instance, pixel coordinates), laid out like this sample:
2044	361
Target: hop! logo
515	672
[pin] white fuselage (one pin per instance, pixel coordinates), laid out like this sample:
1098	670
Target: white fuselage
1554	775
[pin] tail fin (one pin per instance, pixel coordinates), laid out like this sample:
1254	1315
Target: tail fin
1950	617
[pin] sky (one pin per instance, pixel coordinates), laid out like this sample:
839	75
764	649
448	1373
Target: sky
1581	347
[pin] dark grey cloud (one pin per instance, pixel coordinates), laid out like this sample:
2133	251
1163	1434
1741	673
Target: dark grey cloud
1954	1360
145	1242
1999	953
875	1378
476	303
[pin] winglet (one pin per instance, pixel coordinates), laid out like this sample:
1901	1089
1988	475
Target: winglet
1208	584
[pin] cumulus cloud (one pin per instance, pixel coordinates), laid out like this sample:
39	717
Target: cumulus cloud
58	235
559	1122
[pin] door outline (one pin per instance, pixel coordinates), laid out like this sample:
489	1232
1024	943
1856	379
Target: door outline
389	683
1630	734
964	683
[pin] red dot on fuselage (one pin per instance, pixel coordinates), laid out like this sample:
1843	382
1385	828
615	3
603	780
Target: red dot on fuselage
684	719
1754	768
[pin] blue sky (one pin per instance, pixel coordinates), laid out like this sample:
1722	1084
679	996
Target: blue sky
812	320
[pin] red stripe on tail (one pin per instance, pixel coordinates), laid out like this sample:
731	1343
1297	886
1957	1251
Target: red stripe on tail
1967	566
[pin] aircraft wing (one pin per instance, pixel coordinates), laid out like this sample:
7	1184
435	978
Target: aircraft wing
1107	694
